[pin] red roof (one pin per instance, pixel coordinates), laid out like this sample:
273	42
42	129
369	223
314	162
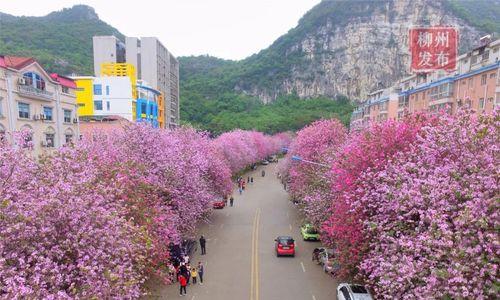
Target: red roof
2	62
17	62
64	81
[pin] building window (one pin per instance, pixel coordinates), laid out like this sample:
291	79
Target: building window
98	104
492	75
97	89
34	80
67	116
65	89
471	82
47	111
486	55
24	110
50	139
481	103
108	105
483	79
68	138
107	90
1	107
473	59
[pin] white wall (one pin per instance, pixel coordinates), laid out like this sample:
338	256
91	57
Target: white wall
120	97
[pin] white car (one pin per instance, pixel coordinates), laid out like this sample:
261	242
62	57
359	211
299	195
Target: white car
348	291
265	162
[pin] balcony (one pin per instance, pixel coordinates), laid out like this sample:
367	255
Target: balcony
32	92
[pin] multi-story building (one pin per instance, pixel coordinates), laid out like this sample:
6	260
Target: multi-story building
474	84
33	100
153	63
106	96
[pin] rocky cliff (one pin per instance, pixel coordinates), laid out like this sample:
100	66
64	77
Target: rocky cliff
350	48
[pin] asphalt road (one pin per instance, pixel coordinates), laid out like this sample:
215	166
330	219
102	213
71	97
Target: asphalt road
241	262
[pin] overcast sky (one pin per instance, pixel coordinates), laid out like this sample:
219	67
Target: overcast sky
231	29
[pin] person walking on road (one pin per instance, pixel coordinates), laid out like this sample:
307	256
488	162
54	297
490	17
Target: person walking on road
251	179
202	245
263	173
240	190
182	284
231	200
194	274
248	179
200	271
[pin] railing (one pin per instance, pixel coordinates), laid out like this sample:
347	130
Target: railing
32	91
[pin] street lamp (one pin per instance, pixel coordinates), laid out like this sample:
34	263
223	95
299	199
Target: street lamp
298	158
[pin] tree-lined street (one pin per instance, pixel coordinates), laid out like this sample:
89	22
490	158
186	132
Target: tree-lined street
231	235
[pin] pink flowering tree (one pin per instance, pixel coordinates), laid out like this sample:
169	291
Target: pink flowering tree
363	151
319	143
432	214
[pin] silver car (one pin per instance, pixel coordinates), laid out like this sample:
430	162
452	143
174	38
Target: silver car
348	291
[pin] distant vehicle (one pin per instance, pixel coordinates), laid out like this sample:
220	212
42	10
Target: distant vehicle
309	232
219	204
348	291
273	159
265	162
325	255
285	245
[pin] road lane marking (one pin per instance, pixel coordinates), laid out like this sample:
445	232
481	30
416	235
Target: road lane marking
254	279
303	268
314	298
192	298
290	225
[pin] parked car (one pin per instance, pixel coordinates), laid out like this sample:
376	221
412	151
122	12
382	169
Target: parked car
219	204
309	232
284	245
348	291
325	255
265	162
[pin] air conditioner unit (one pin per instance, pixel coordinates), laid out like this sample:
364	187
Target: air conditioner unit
36	117
22	81
43	143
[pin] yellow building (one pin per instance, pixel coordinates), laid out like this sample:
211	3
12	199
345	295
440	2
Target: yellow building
122	70
161	110
85	95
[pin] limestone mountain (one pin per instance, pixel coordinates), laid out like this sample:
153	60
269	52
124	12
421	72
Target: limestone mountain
345	47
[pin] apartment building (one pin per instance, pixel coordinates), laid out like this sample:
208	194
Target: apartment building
33	100
153	64
474	84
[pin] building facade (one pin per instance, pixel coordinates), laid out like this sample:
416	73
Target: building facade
475	84
100	98
33	100
153	64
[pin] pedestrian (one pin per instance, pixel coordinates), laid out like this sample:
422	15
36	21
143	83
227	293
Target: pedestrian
251	179
231	200
182	284
240	190
243	185
200	271
263	173
194	274
248	179
187	274
202	245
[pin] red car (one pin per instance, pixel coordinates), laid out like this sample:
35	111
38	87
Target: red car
220	204
285	245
